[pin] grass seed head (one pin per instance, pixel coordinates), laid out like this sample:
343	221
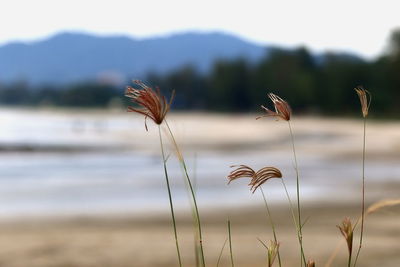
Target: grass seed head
272	249
347	231
282	108
310	263
256	178
152	104
242	171
365	99
263	175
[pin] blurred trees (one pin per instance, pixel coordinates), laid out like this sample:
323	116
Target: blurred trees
322	83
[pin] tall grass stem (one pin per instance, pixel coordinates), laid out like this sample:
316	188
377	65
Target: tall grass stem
185	171
300	232
272	224
230	243
170	197
222	250
363	193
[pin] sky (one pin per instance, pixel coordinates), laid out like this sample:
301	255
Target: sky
357	26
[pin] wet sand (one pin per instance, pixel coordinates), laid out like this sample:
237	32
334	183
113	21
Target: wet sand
148	240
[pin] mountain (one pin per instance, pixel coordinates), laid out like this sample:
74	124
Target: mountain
72	57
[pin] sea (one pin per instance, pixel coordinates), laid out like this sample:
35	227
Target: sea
77	163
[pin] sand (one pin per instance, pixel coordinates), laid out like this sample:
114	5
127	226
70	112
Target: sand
147	239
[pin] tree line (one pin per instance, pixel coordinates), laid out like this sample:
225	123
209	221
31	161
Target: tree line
311	84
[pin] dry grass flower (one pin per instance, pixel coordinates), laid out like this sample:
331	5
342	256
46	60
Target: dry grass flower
282	108
365	99
272	249
310	263
257	178
152	103
347	231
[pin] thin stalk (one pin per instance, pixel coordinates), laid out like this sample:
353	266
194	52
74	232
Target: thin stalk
363	193
272	223
170	197
349	260
291	205
230	242
300	234
183	164
220	253
196	245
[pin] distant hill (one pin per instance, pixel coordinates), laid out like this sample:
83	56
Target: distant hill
71	57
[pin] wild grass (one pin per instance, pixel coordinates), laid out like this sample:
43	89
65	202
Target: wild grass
154	106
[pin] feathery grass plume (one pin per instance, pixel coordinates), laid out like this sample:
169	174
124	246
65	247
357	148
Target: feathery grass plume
282	108
155	106
347	231
272	249
257	178
310	263
263	175
284	112
365	99
242	171
152	103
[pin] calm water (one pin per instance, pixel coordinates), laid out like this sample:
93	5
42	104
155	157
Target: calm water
39	175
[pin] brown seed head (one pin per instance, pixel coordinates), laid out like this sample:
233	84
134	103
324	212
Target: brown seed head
347	231
257	178
310	263
282	108
152	103
263	175
272	249
365	99
242	171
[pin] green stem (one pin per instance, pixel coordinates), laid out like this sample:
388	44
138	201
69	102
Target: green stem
272	224
300	234
230	242
183	164
170	197
196	245
220	253
349	260
363	193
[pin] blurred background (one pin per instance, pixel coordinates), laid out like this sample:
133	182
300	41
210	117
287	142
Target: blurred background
81	180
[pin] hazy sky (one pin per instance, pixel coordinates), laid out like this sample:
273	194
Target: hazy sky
358	26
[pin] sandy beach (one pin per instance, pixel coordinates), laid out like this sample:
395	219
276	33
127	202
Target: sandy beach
330	162
148	241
